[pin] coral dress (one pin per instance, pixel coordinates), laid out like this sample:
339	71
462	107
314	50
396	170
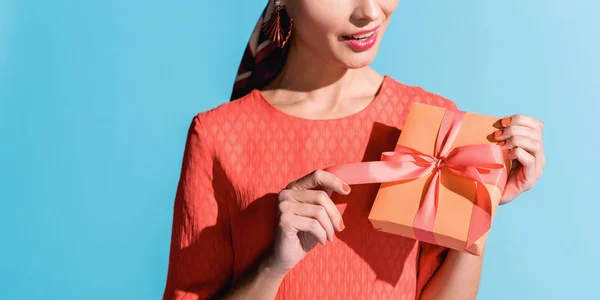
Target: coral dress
239	155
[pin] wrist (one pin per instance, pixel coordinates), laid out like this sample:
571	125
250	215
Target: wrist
269	270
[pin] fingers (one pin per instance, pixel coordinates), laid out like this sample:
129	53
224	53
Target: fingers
529	167
526	133
316	212
293	223
523	121
532	146
315	198
517	130
320	179
305	205
543	160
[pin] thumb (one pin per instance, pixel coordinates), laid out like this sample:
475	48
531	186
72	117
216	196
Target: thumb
320	179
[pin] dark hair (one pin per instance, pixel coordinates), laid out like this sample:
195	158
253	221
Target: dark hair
262	59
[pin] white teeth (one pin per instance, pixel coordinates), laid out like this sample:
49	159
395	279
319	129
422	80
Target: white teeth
362	36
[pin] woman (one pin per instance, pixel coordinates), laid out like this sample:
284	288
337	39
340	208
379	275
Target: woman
250	224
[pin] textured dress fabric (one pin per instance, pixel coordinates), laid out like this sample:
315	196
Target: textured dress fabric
237	158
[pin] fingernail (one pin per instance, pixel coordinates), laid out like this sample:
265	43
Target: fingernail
506	121
346	188
497	133
342	226
505	151
502	143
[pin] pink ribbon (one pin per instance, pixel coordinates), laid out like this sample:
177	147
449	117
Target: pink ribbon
482	163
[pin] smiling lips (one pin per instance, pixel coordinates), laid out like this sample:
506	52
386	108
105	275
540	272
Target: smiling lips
362	40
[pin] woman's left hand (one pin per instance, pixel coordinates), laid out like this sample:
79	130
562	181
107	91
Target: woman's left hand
521	139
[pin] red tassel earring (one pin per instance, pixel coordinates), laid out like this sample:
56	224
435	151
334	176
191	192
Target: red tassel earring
274	27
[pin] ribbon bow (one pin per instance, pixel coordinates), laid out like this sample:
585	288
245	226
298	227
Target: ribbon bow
482	163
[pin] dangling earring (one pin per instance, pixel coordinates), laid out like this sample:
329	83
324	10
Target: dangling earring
273	28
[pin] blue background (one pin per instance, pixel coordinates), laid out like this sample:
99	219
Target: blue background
96	98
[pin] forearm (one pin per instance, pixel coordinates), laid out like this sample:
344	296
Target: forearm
261	282
457	278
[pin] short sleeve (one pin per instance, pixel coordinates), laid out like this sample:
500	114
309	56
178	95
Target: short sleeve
201	256
431	258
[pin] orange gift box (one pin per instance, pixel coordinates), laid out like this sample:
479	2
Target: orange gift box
396	204
443	182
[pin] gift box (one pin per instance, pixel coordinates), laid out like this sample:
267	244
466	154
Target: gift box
442	183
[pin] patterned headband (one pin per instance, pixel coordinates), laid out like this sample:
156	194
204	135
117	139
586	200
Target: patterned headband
262	59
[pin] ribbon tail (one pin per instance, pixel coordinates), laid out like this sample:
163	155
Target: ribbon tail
481	215
424	222
380	171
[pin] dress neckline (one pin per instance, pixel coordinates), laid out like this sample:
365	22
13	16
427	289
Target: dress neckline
384	85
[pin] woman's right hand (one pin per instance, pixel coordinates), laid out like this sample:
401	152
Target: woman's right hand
307	216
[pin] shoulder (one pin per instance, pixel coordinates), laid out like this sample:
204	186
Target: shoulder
228	113
230	110
225	122
409	94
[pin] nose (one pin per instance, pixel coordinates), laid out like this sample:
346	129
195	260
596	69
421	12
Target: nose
367	11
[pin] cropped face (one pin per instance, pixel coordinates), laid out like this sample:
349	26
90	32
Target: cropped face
346	32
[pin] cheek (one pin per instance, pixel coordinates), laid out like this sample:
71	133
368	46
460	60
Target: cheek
319	18
388	6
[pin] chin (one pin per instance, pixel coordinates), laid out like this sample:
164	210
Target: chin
353	60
